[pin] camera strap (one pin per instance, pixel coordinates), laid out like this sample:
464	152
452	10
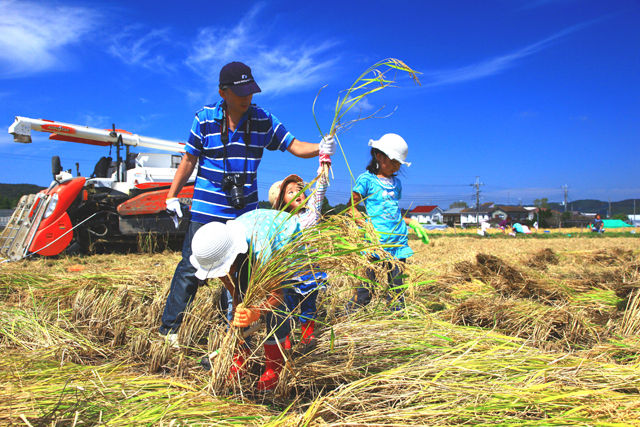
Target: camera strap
224	137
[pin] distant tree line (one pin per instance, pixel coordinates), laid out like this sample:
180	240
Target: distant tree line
7	203
10	193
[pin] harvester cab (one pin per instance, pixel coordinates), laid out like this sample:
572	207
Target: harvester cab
122	199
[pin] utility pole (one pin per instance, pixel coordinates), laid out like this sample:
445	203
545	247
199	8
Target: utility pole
566	190
477	185
610	213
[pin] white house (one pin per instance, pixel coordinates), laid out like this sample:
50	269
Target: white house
426	214
516	213
473	216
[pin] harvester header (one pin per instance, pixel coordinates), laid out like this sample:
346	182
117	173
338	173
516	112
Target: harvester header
22	127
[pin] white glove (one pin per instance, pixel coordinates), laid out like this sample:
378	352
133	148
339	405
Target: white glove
174	210
328	145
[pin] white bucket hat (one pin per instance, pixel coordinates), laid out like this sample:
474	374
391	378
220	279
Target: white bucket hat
393	146
215	247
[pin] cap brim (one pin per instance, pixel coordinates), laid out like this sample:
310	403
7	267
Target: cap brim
245	89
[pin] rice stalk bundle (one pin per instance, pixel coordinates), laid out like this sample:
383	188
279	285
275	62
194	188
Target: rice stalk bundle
603	257
65	286
359	347
541	325
221	382
10	281
543	258
100	312
630	324
620	351
454	376
139	344
44	331
601	303
201	316
628	280
373	79
45	393
508	280
336	245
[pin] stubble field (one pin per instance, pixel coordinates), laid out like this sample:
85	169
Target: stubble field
496	331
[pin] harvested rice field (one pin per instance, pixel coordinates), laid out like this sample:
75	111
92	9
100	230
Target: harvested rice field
496	331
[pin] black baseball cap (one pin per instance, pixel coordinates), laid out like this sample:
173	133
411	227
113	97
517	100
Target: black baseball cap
237	77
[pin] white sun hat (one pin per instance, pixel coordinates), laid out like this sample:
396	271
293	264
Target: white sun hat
215	247
393	146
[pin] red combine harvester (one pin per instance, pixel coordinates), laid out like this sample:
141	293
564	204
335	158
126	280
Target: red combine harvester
120	201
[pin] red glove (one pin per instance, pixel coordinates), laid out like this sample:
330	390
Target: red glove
325	158
245	316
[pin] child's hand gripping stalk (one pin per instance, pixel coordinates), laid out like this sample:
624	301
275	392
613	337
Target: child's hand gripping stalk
245	316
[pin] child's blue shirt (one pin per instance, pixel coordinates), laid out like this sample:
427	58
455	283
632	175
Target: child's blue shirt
268	230
382	202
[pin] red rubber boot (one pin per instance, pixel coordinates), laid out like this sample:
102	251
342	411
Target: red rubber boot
274	360
237	368
287	343
308	338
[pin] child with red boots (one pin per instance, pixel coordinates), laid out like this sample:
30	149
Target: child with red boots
230	251
302	292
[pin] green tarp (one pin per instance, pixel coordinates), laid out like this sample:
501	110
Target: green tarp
615	223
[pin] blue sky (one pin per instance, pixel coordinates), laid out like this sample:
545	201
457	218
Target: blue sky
529	95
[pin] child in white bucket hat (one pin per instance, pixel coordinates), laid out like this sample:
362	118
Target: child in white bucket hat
380	190
302	292
220	250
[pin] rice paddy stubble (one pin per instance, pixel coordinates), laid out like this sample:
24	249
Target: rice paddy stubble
373	368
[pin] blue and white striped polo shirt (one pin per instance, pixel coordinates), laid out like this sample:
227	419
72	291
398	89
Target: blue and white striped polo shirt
210	202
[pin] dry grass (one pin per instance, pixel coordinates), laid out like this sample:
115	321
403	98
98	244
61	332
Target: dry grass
509	331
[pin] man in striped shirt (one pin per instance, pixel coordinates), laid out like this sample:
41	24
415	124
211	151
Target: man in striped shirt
227	141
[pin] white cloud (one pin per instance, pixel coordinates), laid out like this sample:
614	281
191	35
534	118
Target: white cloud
142	50
94	120
365	105
35	36
277	68
492	66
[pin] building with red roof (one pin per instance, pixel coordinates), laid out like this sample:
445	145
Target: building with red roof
426	214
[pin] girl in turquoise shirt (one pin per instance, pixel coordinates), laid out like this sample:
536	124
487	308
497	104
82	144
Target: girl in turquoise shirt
380	190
